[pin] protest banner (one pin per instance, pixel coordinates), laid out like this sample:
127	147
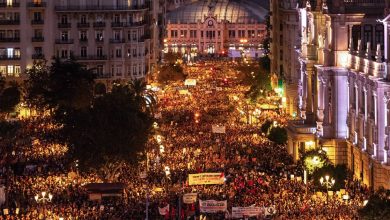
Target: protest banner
212	206
240	212
163	210
190	82
218	129
189	198
206	178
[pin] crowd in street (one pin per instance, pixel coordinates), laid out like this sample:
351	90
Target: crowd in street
257	172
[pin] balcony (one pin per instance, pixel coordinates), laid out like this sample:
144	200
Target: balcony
300	127
117	41
92	57
83	40
10	22
64	25
367	66
118	24
101	8
9	39
128	24
6	57
37	39
99	24
37	22
10	5
36	4
64	41
38	56
99	40
83	25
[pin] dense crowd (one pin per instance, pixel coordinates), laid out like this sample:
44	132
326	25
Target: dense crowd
257	172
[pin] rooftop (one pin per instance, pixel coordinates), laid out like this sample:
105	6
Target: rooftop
233	11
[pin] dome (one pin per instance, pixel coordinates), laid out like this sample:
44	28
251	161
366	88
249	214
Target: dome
233	11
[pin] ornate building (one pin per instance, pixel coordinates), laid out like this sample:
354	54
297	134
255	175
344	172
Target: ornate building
119	39
344	85
285	40
216	27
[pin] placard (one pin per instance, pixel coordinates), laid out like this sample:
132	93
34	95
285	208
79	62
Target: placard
206	178
212	206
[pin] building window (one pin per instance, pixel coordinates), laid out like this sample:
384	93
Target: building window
99	35
83	51
83	19
134	52
38	33
119	70
99	70
37	16
118	52
356	36
64	35
183	33
64	19
379	36
251	33
117	35
173	33
367	35
117	18
241	33
99	51
83	35
232	33
64	54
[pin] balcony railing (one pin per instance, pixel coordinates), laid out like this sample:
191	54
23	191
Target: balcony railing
64	41
64	25
100	7
37	39
127	24
10	39
367	66
83	40
299	126
91	57
116	41
36	4
99	24
38	56
99	39
83	25
7	57
9	22
12	5
37	22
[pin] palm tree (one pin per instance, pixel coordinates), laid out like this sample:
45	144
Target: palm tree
144	98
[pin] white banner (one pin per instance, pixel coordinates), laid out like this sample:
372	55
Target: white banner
218	129
212	206
189	198
190	82
240	212
164	210
206	178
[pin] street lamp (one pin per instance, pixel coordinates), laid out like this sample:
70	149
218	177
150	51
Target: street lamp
42	198
328	183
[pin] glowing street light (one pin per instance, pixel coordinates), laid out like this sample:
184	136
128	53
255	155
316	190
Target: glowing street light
328	183
42	198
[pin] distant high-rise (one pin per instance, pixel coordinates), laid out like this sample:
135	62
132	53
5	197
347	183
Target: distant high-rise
119	39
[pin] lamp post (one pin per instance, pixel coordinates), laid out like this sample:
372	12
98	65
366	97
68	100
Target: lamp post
43	197
328	183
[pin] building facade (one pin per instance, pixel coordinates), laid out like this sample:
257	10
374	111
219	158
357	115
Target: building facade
119	39
216	27
344	86
284	20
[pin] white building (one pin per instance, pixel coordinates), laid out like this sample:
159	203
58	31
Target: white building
117	38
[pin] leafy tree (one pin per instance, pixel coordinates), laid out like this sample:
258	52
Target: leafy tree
170	72
108	134
378	206
313	159
65	84
2	83
266	126
278	135
144	99
100	89
171	58
9	98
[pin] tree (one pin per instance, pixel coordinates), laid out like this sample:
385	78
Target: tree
377	207
65	84
170	72
171	58
278	135
100	89
9	98
266	126
109	134
338	172
313	159
143	98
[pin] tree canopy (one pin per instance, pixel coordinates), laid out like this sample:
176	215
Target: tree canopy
113	130
378	206
9	98
63	84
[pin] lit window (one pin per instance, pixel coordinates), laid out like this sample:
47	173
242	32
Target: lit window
10	70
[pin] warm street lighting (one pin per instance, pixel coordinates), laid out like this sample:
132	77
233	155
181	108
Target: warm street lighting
42	198
328	183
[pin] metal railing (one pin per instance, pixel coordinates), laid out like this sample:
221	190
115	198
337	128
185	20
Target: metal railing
36	4
64	41
9	22
100	7
37	39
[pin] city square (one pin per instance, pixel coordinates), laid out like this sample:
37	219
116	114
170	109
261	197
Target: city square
219	109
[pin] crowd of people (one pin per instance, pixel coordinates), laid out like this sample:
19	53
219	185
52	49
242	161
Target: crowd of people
257	172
